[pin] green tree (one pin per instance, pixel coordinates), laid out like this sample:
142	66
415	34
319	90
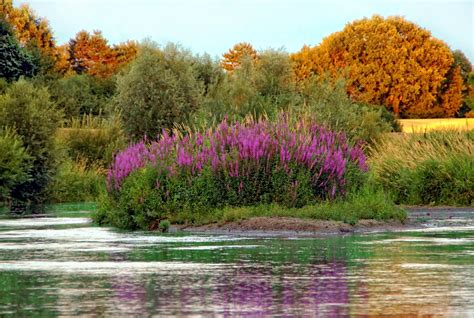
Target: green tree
158	90
82	94
464	64
15	163
30	112
14	60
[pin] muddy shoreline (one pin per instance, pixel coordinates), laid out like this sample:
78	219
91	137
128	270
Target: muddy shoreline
418	218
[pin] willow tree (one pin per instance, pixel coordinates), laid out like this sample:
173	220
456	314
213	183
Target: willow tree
388	61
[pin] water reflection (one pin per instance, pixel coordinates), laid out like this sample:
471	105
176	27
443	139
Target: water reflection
70	269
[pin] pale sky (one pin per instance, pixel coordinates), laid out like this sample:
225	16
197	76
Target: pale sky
213	26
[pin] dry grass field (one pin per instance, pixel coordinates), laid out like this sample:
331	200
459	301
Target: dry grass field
422	125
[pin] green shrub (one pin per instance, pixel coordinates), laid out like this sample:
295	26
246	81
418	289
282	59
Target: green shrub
431	168
158	89
75	182
15	163
34	118
92	139
329	104
79	95
262	88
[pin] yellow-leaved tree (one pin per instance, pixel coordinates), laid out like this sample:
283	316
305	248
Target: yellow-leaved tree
387	61
232	59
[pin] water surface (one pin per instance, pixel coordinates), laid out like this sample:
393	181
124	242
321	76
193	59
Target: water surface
67	267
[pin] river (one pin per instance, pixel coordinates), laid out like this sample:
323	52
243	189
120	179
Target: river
68	267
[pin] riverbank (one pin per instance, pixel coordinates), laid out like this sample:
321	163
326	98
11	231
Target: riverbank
418	218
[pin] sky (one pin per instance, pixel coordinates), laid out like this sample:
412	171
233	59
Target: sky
213	26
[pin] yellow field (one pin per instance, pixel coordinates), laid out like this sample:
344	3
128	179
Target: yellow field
421	125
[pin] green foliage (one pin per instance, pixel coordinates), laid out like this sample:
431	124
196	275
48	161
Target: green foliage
138	205
262	88
164	226
75	182
366	203
208	71
34	118
329	104
158	89
463	62
93	140
78	95
15	163
14	60
435	168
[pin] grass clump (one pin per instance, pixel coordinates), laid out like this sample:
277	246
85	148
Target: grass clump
364	204
432	168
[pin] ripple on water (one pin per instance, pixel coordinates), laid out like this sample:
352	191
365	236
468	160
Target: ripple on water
41	222
211	247
105	235
431	240
69	247
108	268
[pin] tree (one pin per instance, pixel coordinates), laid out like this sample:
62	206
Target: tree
15	163
464	64
34	118
91	54
125	53
33	33
14	60
451	97
390	62
158	89
232	59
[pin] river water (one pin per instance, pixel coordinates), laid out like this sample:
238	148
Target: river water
67	267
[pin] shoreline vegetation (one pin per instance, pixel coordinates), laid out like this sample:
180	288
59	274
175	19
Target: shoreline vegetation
157	135
256	222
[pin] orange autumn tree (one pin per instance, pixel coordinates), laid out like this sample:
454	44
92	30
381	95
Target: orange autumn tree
32	32
451	95
29	28
386	61
125	52
231	60
91	54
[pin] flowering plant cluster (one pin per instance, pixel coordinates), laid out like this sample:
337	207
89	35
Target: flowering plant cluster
246	163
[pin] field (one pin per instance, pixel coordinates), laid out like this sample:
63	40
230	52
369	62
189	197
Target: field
422	125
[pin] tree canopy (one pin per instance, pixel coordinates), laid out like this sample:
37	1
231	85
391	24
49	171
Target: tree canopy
387	61
233	58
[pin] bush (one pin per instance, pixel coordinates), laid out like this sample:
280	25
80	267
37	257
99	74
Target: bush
75	182
237	165
430	168
78	95
93	140
15	163
257	88
329	104
34	118
158	89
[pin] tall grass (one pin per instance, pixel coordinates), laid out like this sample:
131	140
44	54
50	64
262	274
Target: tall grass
92	139
429	168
